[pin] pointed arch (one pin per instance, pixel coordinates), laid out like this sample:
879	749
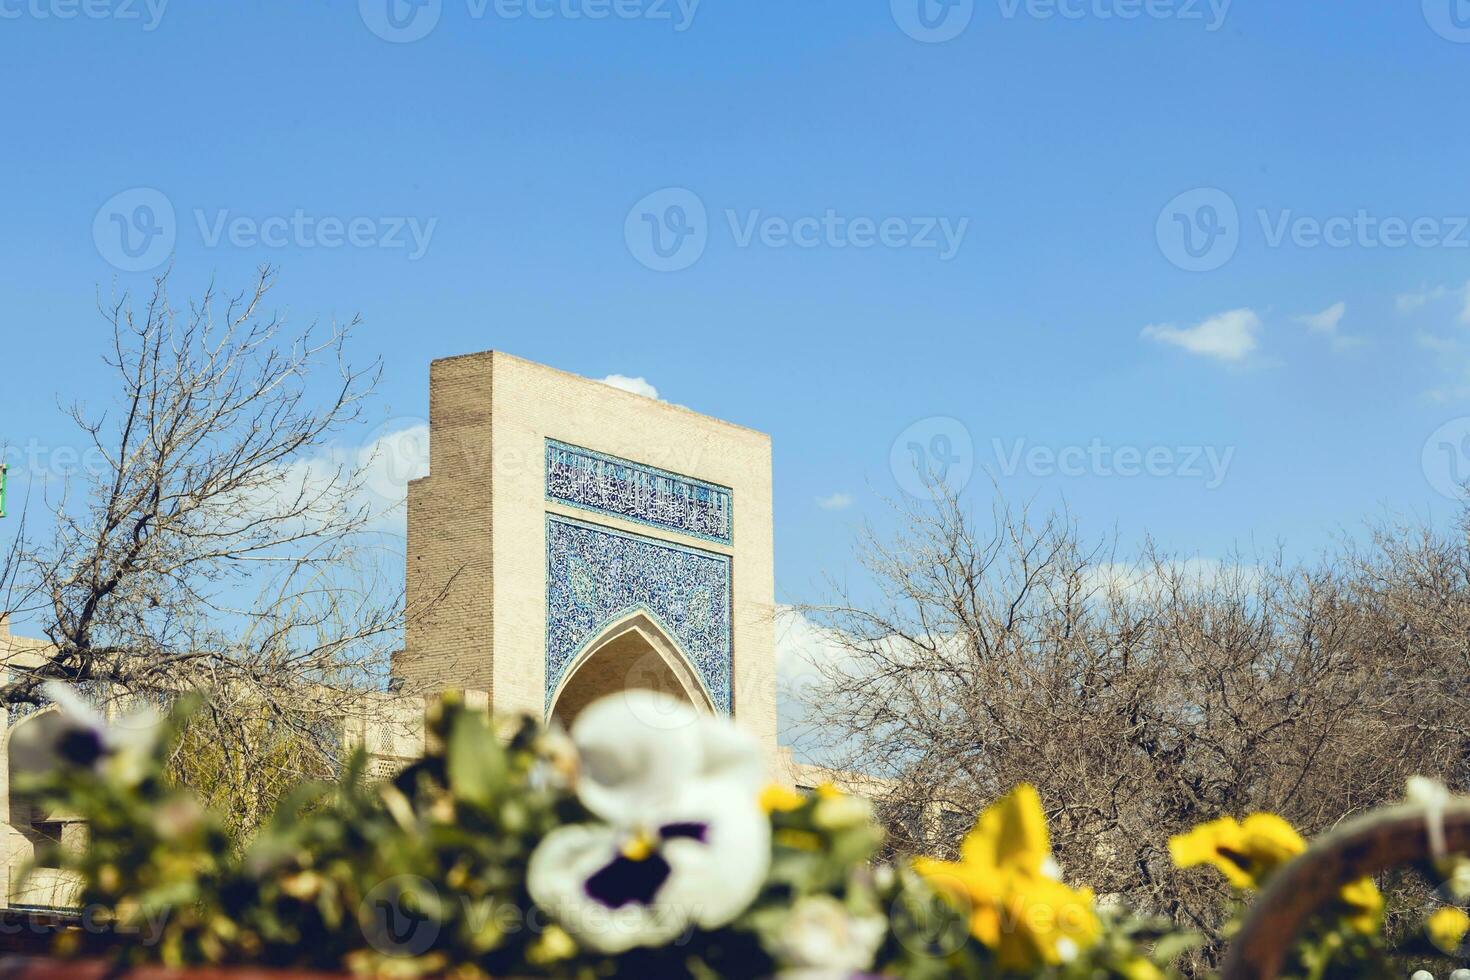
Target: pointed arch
632	652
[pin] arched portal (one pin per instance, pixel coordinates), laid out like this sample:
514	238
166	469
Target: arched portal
632	654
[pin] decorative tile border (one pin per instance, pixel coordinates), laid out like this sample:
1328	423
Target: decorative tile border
596	576
637	492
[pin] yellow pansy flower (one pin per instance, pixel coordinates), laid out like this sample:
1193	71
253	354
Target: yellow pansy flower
1244	851
1014	907
776	798
1447	928
1363	904
1139	968
1247	852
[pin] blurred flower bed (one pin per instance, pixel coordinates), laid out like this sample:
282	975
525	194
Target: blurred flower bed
644	843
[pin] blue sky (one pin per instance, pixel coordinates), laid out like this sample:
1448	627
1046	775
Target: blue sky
875	229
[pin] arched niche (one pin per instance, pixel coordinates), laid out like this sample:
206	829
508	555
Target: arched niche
634	653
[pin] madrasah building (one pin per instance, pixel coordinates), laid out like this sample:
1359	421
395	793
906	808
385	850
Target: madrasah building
571	540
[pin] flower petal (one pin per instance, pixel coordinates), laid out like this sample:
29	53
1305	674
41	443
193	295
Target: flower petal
1010	833
637	749
562	867
719	878
640	748
628	881
73	705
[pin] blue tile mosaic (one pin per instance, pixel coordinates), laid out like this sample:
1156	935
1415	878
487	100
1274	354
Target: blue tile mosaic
645	494
596	576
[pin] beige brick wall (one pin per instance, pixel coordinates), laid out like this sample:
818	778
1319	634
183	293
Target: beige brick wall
481	513
450	537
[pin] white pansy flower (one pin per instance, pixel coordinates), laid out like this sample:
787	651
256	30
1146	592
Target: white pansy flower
77	735
821	939
684	841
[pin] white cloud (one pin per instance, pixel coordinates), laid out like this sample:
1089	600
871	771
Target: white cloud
1144	581
638	386
396	456
379	472
1229	336
1410	302
803	651
1440	345
837	501
1325	322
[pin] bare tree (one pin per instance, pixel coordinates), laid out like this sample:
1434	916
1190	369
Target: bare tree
212	548
1142	699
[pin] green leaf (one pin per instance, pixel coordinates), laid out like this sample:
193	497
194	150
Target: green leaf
476	761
